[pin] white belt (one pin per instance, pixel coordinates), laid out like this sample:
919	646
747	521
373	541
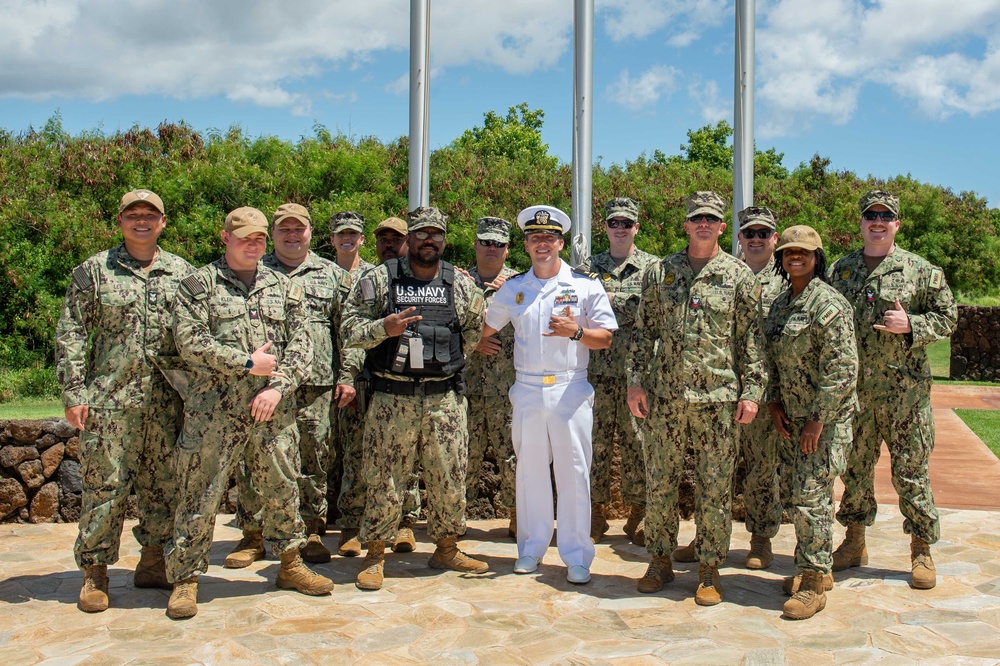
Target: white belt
552	378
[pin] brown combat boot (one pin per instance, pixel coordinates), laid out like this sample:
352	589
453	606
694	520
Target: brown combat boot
791	584
598	523
372	568
852	552
349	545
183	601
313	551
809	599
247	551
295	575
512	525
94	593
151	570
660	571
448	556
685	553
923	575
405	542
760	554
709	590
634	526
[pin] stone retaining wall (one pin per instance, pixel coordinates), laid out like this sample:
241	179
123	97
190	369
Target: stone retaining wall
975	344
39	471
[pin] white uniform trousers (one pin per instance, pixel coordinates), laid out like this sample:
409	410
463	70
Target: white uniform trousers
553	423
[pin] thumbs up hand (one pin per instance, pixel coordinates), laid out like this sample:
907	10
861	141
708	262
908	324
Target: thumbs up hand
264	364
895	320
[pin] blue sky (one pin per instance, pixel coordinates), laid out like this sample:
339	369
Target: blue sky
881	88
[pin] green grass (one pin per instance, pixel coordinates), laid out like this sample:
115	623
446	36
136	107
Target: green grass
939	355
986	424
30	408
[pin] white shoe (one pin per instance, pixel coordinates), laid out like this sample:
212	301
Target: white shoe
526	565
578	575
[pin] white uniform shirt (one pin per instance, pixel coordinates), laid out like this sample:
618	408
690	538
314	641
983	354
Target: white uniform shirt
528	302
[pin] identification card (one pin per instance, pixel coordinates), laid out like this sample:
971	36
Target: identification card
416	352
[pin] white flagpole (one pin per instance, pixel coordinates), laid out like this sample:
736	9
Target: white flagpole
743	112
583	127
419	159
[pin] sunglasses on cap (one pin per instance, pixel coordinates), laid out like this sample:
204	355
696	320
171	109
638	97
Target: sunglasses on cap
424	235
620	224
872	215
756	233
491	243
711	219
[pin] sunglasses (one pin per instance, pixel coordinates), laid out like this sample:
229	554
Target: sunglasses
711	219
757	233
622	224
424	235
491	243
872	215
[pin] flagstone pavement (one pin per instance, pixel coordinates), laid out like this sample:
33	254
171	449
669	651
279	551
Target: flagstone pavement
424	616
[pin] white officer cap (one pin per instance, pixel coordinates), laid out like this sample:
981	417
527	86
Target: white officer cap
543	219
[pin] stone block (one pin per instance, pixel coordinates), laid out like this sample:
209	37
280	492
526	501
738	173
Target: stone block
12	497
24	431
45	441
12	456
51	458
69	476
58	427
73	448
45	504
31	472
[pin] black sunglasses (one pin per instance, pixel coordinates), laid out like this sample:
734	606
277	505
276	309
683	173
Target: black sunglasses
872	215
759	233
623	224
491	243
711	219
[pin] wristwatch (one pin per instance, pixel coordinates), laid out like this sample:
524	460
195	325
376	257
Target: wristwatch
249	364
578	335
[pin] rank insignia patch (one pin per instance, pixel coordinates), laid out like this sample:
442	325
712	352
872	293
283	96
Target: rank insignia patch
695	302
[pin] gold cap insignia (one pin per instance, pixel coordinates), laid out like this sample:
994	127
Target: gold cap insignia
519	298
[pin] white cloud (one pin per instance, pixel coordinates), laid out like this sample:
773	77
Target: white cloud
685	19
713	109
645	90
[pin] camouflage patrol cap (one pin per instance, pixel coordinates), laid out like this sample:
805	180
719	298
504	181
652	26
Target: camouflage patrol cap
426	216
245	221
494	229
705	202
288	210
393	224
347	220
802	236
757	216
621	207
138	197
876	197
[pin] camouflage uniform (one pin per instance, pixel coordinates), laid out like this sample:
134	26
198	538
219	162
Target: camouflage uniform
323	287
113	330
759	441
894	383
606	372
489	378
218	324
697	350
402	430
812	373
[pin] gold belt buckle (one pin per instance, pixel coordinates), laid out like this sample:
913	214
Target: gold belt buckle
548	380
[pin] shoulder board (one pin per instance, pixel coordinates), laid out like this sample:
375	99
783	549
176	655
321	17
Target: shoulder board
518	275
828	314
193	285
81	278
937	278
367	287
295	292
581	271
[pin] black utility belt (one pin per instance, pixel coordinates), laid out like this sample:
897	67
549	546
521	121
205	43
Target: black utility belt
415	387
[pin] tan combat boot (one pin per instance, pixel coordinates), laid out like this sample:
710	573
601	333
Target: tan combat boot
313	550
760	554
405	542
923	575
685	553
184	599
852	552
247	551
598	523
512	525
659	572
448	556
151	570
634	526
295	575
370	577
809	599
94	593
349	545
791	584
709	590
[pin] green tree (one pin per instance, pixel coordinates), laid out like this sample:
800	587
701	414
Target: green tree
516	136
711	147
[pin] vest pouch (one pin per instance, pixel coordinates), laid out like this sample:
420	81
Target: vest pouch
442	345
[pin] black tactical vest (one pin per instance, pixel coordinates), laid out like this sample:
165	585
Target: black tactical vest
439	329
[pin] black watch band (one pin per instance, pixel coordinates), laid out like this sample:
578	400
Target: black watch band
578	335
249	364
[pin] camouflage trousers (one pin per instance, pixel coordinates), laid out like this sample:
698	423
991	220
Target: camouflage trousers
211	445
906	423
400	432
807	488
312	417
122	451
489	425
354	484
759	443
612	415
710	428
